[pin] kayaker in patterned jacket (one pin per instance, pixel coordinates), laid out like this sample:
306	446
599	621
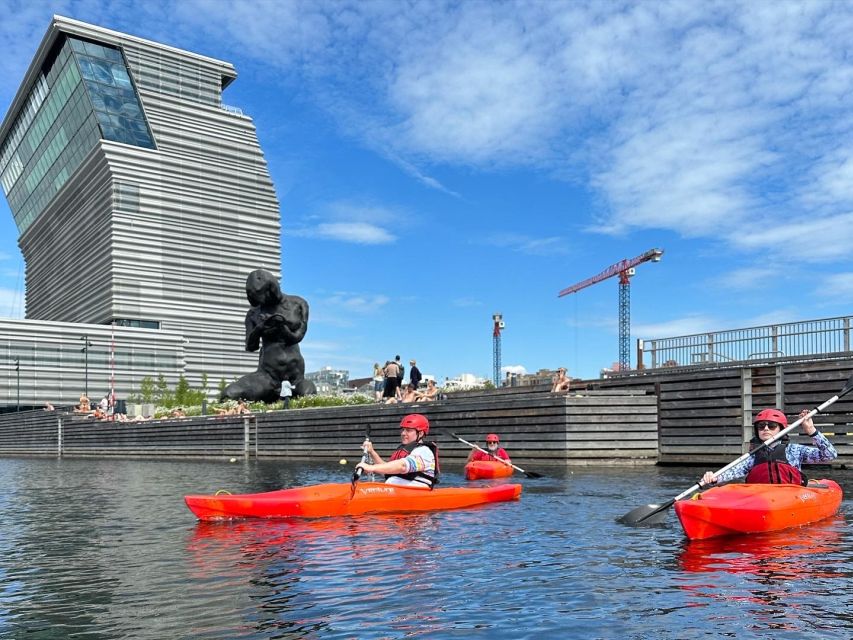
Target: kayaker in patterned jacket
781	462
414	463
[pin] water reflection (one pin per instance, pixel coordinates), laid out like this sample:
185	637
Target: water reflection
788	554
779	581
310	575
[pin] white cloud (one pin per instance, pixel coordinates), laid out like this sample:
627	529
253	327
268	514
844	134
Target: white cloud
690	117
520	243
467	302
839	286
358	303
810	239
352	222
688	325
699	118
356	232
514	368
747	278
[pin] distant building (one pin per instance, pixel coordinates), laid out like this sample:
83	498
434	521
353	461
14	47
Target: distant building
464	381
542	376
329	381
142	202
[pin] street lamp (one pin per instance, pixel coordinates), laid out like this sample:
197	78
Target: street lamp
85	351
18	375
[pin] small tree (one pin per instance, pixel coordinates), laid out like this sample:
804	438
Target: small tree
165	398
182	392
147	390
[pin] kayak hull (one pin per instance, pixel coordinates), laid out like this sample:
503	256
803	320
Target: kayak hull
325	500
737	509
487	469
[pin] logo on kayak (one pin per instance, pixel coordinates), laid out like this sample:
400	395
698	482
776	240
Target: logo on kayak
374	490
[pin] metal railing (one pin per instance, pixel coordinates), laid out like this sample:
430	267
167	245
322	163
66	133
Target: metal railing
792	339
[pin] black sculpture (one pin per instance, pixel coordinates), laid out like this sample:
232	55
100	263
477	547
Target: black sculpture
276	324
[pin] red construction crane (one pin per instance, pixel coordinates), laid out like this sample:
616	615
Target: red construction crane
624	269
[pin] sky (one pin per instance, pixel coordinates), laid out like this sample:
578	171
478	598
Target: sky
439	162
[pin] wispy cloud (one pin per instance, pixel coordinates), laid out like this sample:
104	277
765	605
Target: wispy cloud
349	222
746	278
467	302
688	325
356	232
839	285
525	244
690	117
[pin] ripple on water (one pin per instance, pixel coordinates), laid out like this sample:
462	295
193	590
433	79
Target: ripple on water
107	549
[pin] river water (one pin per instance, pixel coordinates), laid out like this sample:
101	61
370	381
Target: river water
97	549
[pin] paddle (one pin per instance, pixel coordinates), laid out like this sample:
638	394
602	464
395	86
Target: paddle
529	474
365	457
655	513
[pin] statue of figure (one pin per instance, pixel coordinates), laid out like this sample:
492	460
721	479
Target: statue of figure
275	323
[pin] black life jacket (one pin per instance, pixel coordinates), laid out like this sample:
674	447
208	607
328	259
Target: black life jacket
772	466
404	450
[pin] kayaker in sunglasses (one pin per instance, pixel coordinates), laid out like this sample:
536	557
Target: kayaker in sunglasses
414	463
494	448
781	462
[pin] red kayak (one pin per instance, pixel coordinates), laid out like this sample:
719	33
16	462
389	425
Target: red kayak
484	469
753	508
323	500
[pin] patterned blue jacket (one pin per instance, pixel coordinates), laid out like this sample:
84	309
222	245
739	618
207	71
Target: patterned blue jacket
797	455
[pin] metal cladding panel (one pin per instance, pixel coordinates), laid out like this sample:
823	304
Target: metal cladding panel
67	249
54	367
166	235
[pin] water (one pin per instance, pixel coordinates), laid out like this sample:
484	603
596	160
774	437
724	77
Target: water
98	549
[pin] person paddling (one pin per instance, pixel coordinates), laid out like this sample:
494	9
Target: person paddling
414	463
781	462
495	450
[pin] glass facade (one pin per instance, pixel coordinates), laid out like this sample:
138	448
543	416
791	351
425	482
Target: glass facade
84	94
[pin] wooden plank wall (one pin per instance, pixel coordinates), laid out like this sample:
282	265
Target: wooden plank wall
705	415
537	428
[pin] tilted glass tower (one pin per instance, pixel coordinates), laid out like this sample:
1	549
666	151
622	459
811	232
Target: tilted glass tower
140	199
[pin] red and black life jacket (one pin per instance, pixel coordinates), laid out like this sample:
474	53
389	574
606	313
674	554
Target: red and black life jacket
772	467
404	450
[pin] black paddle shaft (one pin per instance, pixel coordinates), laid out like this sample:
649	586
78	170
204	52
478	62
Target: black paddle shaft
356	475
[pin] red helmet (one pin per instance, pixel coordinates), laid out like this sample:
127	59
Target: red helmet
415	421
492	437
772	415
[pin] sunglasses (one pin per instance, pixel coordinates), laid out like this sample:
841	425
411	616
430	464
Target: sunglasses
770	426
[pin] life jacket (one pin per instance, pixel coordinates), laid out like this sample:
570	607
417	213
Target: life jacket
772	466
499	453
404	450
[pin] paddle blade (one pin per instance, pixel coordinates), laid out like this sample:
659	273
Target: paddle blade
355	476
847	387
532	474
648	514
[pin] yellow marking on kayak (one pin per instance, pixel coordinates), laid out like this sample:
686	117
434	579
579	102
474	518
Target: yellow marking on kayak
222	492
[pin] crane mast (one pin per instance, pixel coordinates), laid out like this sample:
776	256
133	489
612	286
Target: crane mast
624	269
496	349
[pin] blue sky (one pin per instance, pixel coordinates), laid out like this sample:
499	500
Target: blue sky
438	162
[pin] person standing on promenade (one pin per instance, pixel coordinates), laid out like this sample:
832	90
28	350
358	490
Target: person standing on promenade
414	374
